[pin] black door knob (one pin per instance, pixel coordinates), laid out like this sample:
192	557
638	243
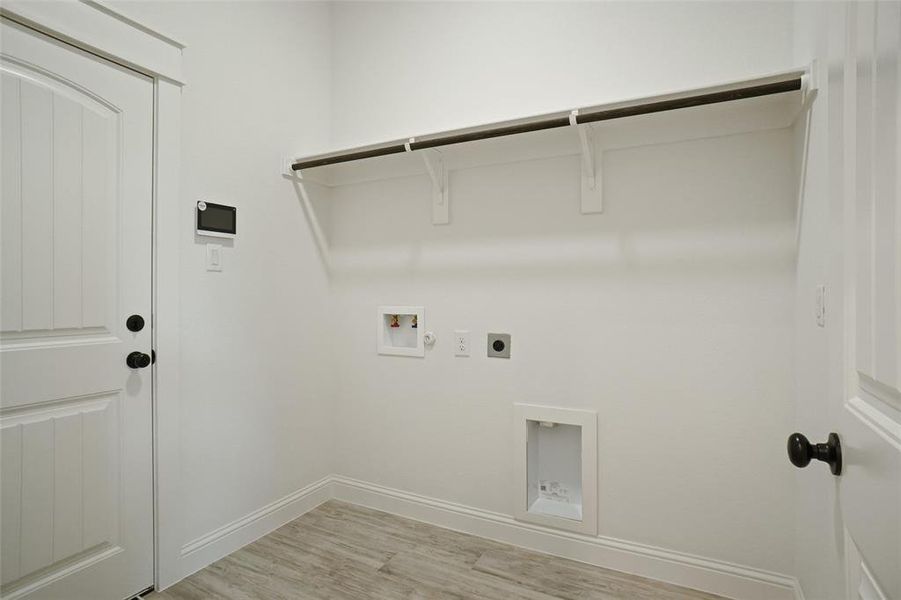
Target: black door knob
138	360
801	451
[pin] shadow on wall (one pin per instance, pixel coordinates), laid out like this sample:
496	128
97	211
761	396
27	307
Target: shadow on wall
314	212
703	207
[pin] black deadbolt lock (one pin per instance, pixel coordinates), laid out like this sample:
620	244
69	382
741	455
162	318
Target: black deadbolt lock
135	323
800	452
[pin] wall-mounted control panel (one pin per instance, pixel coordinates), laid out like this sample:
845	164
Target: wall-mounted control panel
216	220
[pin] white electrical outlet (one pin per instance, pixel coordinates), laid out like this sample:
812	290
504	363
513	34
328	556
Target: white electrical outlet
821	305
461	343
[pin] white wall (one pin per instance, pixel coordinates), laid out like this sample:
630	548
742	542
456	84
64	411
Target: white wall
410	68
671	314
254	384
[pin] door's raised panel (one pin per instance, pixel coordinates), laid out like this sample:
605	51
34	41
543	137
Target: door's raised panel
60	482
65	371
10	502
99	477
886	300
67	203
36	548
60	209
11	205
863	124
68	479
98	186
37	205
878	194
871	426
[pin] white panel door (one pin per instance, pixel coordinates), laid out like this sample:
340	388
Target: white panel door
870	486
76	508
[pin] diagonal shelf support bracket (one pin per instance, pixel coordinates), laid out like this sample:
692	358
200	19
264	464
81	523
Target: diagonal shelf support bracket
437	170
592	199
301	184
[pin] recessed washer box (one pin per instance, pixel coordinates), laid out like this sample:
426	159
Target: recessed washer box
399	330
556	467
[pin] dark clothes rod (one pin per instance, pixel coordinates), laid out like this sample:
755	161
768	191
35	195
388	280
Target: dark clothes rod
590	116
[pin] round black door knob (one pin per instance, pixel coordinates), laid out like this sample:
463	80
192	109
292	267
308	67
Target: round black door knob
135	323
801	451
138	360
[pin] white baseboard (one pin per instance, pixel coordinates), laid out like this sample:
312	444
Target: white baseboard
717	577
221	542
714	576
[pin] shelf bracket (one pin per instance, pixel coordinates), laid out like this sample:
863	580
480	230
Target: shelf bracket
437	170
592	200
303	195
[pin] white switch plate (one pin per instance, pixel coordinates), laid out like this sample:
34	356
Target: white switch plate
461	343
821	305
214	257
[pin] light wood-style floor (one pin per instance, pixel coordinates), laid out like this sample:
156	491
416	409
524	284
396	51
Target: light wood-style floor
344	551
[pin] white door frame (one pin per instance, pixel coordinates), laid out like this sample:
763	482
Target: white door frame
95	27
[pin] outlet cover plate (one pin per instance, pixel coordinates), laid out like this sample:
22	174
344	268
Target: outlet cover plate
461	342
499	345
214	257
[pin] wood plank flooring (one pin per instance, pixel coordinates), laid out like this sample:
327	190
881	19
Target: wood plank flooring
344	551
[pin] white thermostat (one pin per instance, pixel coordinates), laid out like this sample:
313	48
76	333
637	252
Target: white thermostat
216	220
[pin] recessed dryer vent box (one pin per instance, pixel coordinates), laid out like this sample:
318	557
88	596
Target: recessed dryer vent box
399	330
556	467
